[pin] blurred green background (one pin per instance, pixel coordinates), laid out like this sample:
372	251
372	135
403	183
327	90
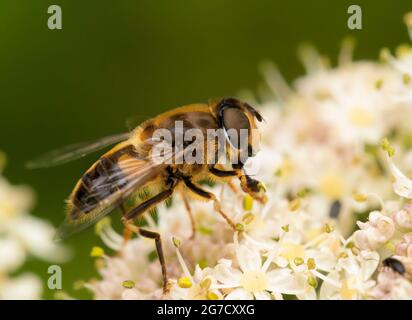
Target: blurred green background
114	59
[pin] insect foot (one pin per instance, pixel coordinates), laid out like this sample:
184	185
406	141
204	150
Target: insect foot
166	288
255	188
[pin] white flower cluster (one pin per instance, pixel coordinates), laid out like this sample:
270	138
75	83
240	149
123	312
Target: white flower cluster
21	236
338	221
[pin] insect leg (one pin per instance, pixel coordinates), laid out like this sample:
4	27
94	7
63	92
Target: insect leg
247	183
159	249
226	173
223	173
232	186
146	205
209	196
190	213
253	187
127	233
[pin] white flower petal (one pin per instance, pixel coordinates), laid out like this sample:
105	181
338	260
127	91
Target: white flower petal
227	275
402	185
262	295
12	255
239	294
328	290
325	259
282	281
37	237
369	264
249	260
132	294
24	287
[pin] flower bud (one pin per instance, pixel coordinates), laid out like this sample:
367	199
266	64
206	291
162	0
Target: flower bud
404	248
403	218
374	233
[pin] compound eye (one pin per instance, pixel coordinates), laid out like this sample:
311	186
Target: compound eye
234	120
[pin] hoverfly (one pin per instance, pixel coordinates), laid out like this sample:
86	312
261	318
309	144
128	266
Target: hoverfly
128	168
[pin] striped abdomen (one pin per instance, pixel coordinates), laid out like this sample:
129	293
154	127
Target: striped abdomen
102	180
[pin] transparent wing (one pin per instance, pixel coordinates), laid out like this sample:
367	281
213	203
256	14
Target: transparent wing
74	151
134	175
111	190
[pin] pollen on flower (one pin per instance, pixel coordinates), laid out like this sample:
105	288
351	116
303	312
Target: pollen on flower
278	172
313	282
384	54
303	192
386	146
204	230
240	227
311	264
359	197
203	263
328	228
96	252
247	202
248	218
184	282
128	284
295	204
206	283
355	250
212	296
176	242
350	245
